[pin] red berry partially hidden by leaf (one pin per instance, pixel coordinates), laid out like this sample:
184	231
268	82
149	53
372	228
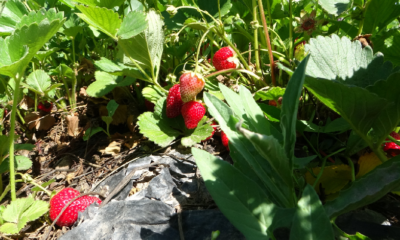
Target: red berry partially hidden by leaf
225	58
45	107
391	147
192	113
225	140
272	103
70	215
191	84
174	101
214	126
149	105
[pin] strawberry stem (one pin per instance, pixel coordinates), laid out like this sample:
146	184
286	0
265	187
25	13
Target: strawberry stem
271	57
199	47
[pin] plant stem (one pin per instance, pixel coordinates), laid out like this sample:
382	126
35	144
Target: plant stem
8	189
256	53
324	163
199	48
290	31
380	154
73	97
271	57
12	134
219	10
361	25
232	70
351	164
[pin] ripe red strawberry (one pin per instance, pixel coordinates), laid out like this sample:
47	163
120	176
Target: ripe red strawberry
70	215
391	147
192	113
225	58
214	125
225	140
191	84
174	102
149	105
45	107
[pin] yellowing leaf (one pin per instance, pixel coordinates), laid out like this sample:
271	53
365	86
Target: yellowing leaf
367	162
333	179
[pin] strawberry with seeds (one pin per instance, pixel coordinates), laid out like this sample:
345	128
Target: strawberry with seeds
225	140
174	101
191	84
225	58
70	215
390	147
192	113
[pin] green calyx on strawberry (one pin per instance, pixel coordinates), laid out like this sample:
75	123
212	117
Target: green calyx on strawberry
70	214
191	84
174	102
192	113
225	58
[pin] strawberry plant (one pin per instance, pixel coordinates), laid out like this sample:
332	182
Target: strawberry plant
301	95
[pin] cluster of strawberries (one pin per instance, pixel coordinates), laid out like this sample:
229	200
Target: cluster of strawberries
180	100
181	97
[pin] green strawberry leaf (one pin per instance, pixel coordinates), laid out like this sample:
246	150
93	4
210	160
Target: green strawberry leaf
146	48
339	59
14	210
41	55
9	228
38	81
21	163
152	93
271	94
12	13
91	131
36	210
119	69
379	14
105	83
335	7
19	48
110	4
201	132
310	220
112	107
42	14
103	19
133	24
156	130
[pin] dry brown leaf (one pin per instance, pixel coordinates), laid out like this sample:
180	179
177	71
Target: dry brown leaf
113	148
35	120
31	119
333	179
82	92
72	123
70	177
27	103
46	123
120	115
367	163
